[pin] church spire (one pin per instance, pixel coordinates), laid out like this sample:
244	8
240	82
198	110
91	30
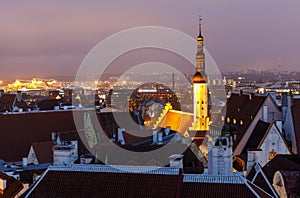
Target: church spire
200	57
200	37
200	98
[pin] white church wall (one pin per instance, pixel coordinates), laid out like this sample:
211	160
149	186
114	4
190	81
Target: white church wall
273	142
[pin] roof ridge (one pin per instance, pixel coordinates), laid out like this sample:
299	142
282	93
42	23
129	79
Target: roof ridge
117	169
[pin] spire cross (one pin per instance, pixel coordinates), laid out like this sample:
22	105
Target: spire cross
200	19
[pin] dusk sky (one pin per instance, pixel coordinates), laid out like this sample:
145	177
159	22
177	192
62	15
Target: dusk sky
48	38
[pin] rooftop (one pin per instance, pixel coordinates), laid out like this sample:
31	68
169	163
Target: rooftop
235	178
137	181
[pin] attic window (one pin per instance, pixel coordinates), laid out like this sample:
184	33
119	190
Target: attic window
234	121
251	117
250	96
228	119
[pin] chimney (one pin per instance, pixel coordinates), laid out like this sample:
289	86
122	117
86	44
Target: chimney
284	104
19	96
154	137
265	113
3	184
1	92
251	96
58	140
160	139
24	161
53	137
120	136
253	156
241	92
173	81
157	137
167	130
279	125
176	161
284	99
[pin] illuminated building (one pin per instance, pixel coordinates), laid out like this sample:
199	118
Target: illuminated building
200	97
195	124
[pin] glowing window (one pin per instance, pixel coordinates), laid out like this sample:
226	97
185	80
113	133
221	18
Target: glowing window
228	119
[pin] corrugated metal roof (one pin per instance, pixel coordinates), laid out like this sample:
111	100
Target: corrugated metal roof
117	169
234	178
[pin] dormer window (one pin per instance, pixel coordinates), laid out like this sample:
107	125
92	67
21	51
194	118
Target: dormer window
228	120
241	122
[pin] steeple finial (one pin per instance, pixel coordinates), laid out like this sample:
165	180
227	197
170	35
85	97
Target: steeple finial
200	37
200	19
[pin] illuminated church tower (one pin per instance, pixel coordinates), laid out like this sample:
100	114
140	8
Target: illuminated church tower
200	90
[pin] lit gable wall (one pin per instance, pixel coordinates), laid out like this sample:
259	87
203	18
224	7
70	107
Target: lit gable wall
272	144
32	159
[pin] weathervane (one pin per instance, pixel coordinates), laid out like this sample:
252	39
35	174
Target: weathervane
200	19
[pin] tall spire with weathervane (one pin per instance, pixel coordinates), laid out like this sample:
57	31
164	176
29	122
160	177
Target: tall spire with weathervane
200	98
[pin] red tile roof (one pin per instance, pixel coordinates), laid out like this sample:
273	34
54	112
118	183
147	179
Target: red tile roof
13	186
43	151
106	184
6	102
259	179
191	163
291	179
48	104
22	130
259	191
192	190
242	108
19	131
291	163
106	181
